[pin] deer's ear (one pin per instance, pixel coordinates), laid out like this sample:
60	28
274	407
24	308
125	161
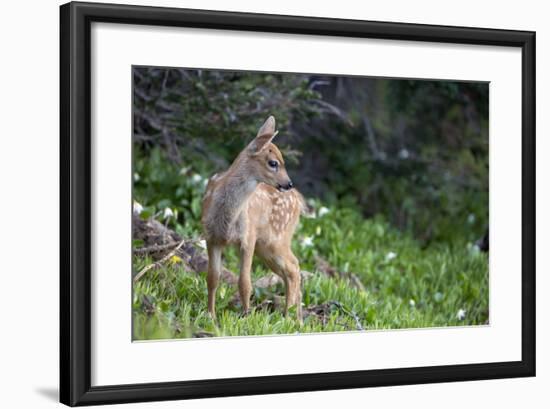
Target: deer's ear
268	127
265	135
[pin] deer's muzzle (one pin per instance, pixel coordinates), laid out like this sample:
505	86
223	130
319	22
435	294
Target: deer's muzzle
286	187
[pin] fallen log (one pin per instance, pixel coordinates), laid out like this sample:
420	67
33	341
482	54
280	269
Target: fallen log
161	243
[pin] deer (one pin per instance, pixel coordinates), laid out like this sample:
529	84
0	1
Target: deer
254	206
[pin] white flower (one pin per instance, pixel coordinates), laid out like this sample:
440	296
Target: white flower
202	244
473	249
307	241
167	213
412	303
322	211
471	218
390	256
137	208
461	314
403	154
136	177
184	170
196	178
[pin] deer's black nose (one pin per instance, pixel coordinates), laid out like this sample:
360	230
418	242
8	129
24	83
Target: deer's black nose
286	187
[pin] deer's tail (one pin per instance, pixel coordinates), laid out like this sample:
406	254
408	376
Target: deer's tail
305	209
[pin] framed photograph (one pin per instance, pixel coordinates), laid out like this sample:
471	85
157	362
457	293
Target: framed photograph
259	204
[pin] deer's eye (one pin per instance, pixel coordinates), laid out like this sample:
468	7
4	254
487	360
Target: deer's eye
273	164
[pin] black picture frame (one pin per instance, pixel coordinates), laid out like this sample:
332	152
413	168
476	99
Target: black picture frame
76	199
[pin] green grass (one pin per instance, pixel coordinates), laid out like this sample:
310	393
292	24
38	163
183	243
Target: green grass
405	286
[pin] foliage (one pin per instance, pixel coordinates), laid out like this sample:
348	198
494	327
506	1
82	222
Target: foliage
413	150
206	115
406	286
162	185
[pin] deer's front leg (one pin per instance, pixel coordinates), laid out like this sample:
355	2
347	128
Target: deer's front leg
214	271
245	279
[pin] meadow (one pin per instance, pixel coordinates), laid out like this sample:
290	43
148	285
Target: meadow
360	274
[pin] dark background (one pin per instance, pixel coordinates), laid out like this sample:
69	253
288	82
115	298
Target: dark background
414	152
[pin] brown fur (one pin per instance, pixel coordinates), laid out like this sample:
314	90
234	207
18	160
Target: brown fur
244	207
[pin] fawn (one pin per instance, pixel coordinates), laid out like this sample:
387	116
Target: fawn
252	205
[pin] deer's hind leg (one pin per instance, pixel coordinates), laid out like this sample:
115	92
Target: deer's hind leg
293	284
286	266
